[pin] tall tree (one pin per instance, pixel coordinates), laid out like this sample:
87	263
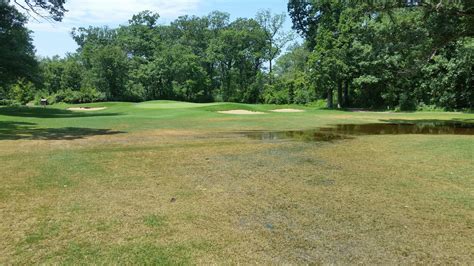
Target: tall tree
276	37
304	17
141	37
16	49
239	52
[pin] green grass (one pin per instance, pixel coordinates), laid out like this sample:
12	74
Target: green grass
154	220
96	188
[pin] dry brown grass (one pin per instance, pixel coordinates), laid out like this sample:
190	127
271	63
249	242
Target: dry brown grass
378	199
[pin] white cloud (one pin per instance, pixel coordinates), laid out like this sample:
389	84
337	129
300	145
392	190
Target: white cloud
83	13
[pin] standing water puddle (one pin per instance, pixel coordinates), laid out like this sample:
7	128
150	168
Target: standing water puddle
347	131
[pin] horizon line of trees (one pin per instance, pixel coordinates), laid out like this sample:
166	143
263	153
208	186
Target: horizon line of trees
202	59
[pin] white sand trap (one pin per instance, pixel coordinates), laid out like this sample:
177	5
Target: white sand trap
288	111
87	109
240	112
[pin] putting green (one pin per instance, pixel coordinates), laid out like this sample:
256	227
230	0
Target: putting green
171	105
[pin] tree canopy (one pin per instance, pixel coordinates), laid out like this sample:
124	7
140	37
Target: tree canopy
383	54
16	49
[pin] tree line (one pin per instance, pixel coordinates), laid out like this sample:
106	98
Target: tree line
199	59
371	54
403	54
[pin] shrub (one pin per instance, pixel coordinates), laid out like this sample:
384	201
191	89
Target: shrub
66	96
319	104
84	95
302	95
288	91
134	92
275	94
22	91
406	103
6	102
429	108
90	95
51	98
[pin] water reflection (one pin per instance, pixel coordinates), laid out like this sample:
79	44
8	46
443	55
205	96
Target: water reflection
300	135
345	131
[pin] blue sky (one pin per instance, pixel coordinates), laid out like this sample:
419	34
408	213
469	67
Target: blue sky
54	38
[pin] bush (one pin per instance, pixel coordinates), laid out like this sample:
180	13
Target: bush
406	103
275	94
22	91
302	95
66	96
429	108
3	93
134	92
318	104
84	95
288	91
90	95
42	95
6	102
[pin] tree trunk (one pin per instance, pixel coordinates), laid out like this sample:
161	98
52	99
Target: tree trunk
271	72
329	99
271	59
291	93
346	93
340	104
270	66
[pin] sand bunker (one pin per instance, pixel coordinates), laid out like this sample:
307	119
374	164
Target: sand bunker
86	108
288	111
240	112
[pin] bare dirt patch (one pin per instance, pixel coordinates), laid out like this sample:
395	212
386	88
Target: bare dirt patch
288	111
241	112
87	109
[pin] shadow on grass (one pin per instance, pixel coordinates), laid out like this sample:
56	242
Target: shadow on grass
40	112
22	130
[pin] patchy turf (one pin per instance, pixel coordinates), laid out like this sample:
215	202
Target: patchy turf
160	185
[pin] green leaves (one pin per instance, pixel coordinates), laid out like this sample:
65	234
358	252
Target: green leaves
16	49
388	55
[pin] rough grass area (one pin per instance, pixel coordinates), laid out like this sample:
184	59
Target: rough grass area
161	185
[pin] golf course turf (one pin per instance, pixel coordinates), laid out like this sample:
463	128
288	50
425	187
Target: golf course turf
166	182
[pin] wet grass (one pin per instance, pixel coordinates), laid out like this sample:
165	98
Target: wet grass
177	185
